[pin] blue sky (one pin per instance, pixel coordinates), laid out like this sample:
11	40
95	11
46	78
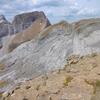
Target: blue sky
55	10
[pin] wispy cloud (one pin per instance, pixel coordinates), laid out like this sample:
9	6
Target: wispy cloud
55	9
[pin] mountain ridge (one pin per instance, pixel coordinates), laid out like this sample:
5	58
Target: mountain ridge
50	50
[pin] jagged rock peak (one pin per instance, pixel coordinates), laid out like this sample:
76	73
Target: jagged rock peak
24	20
3	19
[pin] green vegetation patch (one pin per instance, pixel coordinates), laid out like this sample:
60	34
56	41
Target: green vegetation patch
95	84
2	66
67	80
3	83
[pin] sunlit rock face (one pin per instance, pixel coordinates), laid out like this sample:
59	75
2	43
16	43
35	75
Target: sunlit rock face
87	36
51	48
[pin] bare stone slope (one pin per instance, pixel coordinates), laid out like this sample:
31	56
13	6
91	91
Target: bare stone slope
50	50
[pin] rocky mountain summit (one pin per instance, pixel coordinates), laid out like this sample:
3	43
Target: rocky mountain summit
26	26
4	26
23	21
28	34
19	23
3	19
50	50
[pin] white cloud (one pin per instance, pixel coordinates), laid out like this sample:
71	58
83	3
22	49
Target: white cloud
34	1
54	9
85	11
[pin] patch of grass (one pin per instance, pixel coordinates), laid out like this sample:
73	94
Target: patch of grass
2	66
0	95
67	80
89	82
3	83
95	84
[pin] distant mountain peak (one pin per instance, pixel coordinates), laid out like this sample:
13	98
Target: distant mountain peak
3	19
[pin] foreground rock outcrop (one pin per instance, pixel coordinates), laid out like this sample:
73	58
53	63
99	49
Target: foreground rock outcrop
50	50
76	81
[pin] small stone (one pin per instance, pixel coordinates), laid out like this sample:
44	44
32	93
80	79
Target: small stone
37	95
42	96
18	87
50	98
11	92
45	77
37	87
28	87
73	61
25	98
5	94
81	57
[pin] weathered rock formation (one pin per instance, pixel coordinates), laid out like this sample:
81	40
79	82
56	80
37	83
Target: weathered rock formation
50	50
3	19
4	26
20	22
27	24
28	34
0	44
23	21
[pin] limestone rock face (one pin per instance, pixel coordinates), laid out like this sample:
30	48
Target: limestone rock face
23	21
86	36
50	50
4	26
2	19
28	25
20	22
28	34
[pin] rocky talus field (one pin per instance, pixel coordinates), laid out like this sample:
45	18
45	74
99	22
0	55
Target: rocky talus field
78	80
